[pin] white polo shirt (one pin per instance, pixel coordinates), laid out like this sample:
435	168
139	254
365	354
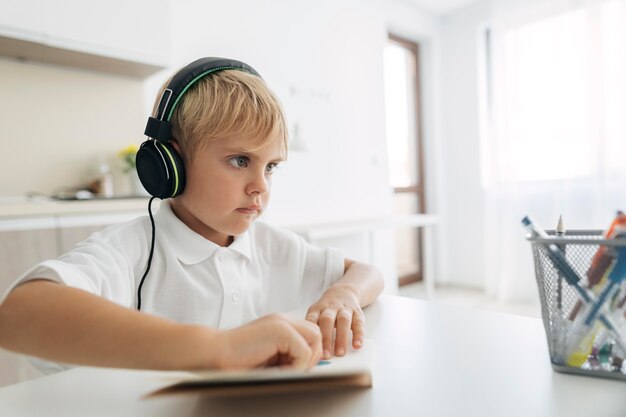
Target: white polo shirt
193	280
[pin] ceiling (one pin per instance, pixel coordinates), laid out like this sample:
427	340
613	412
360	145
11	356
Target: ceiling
441	6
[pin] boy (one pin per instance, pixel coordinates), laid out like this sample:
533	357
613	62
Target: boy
213	268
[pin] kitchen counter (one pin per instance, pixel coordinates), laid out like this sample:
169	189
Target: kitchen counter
16	207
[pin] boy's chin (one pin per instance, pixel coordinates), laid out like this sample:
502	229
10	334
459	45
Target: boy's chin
240	228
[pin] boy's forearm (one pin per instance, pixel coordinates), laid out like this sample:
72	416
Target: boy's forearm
64	324
364	280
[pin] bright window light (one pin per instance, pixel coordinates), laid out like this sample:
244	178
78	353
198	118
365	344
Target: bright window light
400	117
547	99
613	42
559	102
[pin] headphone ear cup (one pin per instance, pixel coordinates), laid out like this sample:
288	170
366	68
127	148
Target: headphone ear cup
178	181
160	169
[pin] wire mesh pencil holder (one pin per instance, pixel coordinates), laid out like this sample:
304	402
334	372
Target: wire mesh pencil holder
577	345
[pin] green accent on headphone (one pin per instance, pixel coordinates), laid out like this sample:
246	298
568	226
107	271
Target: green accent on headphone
182	93
175	169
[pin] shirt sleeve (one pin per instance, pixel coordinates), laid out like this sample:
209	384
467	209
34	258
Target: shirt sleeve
322	268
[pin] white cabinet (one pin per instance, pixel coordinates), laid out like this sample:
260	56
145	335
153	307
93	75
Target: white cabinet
125	37
26	241
73	229
134	30
22	19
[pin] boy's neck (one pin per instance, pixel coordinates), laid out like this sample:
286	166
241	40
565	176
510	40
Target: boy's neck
195	224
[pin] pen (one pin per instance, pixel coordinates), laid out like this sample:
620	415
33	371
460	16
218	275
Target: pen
559	335
560	232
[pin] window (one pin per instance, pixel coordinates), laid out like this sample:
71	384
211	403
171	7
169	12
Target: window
559	96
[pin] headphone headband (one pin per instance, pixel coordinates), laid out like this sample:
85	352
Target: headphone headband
159	126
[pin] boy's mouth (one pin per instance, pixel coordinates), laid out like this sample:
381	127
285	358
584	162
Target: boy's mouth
253	209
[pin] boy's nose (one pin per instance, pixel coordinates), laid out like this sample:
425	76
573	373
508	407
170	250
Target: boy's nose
259	184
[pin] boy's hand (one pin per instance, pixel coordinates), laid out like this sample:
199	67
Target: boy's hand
338	308
272	340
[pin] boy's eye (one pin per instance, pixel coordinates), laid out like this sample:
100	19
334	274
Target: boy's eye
271	167
239	161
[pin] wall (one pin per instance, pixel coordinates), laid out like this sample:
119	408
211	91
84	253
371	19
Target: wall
55	122
462	194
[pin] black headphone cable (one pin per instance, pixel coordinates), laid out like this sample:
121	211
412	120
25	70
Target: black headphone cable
149	257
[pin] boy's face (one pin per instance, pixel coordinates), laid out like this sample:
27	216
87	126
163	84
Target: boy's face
227	187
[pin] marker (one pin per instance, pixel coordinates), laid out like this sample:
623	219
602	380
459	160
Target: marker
617	275
603	258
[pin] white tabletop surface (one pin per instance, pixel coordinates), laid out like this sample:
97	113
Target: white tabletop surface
431	360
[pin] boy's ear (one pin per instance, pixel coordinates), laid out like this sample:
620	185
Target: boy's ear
175	145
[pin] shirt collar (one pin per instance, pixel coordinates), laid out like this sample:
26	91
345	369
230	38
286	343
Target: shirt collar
190	247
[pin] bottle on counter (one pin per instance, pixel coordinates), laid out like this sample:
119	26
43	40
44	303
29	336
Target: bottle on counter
104	180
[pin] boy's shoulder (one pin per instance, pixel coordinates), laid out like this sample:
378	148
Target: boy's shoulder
123	233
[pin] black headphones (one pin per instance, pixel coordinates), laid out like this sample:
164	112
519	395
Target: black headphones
159	166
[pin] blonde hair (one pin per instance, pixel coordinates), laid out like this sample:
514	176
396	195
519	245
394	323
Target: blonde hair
227	103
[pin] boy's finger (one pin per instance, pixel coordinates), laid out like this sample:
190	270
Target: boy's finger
313	316
344	321
358	330
327	325
297	348
312	334
300	354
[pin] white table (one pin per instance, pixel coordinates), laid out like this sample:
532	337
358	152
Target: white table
431	360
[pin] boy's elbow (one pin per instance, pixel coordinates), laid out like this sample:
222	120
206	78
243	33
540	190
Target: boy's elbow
4	323
14	312
9	311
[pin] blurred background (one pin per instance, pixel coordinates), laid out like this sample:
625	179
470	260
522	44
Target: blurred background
422	131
